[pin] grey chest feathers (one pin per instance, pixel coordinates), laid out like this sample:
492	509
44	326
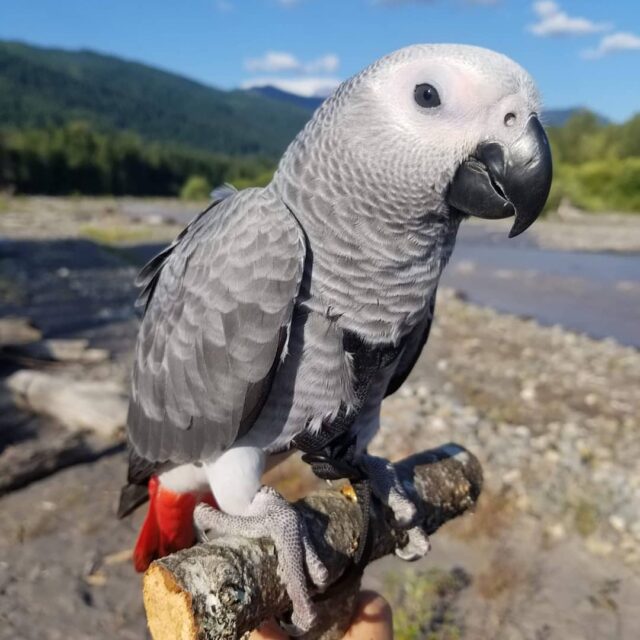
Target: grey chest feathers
330	379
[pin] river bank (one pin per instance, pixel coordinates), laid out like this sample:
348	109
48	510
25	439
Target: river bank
552	551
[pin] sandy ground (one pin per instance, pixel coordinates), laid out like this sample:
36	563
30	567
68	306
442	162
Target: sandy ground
129	220
553	551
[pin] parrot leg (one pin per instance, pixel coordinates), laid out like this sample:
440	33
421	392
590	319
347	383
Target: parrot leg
388	488
270	515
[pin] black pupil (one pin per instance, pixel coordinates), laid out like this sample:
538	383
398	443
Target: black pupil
427	96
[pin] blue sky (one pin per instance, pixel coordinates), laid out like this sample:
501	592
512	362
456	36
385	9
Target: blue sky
581	52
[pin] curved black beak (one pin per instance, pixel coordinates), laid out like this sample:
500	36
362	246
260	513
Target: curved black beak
499	181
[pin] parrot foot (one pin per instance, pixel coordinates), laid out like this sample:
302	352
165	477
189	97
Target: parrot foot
270	515
388	488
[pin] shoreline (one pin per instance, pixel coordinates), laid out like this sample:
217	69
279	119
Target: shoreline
551	413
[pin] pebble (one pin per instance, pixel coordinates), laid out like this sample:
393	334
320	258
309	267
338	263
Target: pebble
617	523
556	531
556	428
599	547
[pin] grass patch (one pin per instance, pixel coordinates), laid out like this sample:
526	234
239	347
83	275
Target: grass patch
586	518
10	293
114	235
424	603
503	576
12	286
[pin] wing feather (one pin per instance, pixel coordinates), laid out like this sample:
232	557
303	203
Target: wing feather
218	304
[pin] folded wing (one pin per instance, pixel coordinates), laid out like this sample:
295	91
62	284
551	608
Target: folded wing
219	302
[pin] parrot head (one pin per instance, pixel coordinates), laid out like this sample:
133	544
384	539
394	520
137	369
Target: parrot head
443	128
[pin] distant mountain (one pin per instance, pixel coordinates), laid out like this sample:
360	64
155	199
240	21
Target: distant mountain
41	87
559	117
268	91
48	87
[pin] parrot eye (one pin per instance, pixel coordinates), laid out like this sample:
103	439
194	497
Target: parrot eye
427	96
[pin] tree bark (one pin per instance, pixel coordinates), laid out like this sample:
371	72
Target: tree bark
227	587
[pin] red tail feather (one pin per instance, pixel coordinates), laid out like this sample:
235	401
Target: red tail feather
168	526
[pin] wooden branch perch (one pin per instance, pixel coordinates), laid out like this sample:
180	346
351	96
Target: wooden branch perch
227	587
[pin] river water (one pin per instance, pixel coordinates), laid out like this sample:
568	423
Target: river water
594	293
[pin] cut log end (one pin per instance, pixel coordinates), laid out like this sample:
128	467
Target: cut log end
169	609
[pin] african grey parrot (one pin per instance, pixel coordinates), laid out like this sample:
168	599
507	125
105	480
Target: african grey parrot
285	312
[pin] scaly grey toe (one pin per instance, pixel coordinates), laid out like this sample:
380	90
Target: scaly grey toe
270	515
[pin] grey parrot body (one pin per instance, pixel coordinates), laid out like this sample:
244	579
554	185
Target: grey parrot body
265	319
371	252
243	339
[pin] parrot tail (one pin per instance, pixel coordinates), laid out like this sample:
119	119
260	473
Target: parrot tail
168	526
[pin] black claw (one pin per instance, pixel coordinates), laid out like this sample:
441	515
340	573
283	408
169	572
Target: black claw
289	627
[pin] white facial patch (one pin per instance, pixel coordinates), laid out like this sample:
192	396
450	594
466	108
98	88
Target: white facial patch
477	90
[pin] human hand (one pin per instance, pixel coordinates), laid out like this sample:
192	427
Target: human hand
372	621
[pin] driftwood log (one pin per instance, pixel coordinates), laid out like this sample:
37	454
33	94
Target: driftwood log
225	588
49	421
60	351
40	457
20	339
90	406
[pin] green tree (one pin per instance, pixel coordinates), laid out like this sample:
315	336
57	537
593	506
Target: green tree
195	188
629	138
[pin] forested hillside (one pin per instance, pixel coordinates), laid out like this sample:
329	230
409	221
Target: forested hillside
82	122
75	158
50	87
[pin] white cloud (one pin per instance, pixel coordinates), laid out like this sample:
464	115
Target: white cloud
273	61
303	86
553	21
614	42
313	78
325	64
279	61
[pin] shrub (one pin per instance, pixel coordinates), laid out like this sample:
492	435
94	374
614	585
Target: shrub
260	180
195	188
612	185
425	603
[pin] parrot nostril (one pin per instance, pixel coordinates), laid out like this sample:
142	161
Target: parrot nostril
510	119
